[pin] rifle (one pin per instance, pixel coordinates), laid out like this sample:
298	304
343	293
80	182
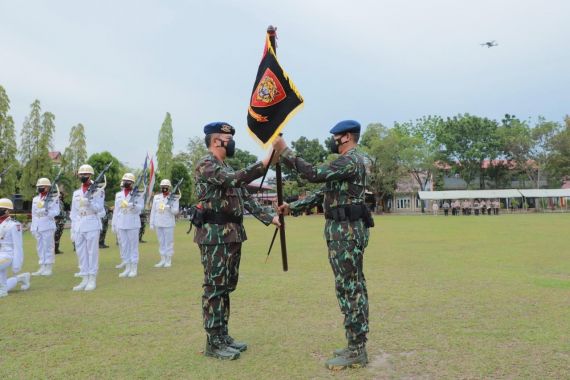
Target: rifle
95	184
51	193
136	192
172	195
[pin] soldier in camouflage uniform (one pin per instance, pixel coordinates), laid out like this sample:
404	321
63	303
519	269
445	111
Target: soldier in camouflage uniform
144	218
222	197
346	231
104	227
60	220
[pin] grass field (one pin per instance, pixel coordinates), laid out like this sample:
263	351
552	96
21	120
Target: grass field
465	297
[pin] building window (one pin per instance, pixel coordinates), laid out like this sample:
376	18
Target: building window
404	203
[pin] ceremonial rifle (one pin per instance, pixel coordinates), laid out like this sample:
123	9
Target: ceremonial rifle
136	192
172	195
51	193
95	184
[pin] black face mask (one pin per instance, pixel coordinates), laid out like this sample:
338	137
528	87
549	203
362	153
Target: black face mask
127	185
334	144
3	211
84	179
230	147
41	190
164	190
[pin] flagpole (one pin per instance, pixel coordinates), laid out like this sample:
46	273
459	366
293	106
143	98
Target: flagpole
279	180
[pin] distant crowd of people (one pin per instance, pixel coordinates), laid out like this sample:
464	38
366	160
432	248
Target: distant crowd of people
468	207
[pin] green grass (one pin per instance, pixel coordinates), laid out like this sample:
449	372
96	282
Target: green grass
464	297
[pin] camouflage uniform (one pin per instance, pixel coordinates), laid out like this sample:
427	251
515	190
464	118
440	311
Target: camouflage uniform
344	184
143	217
104	227
222	191
60	220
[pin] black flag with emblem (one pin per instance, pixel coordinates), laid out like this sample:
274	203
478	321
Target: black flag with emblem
274	99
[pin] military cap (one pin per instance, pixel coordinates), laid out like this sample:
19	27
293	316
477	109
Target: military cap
219	127
346	126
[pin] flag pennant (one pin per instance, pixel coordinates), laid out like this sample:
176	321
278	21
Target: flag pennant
274	99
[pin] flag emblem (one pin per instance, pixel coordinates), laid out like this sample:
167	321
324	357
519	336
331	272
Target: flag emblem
269	91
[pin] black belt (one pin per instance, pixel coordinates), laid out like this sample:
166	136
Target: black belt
221	218
345	213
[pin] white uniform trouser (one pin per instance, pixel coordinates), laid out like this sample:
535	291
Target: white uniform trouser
165	240
87	247
45	245
5	282
129	245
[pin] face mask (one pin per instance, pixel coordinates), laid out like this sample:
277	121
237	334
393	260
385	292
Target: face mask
164	190
41	190
127	185
84	179
334	144
230	147
3	211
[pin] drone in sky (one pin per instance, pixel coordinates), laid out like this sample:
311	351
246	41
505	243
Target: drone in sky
490	44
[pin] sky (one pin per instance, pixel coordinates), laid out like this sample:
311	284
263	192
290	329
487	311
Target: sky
117	67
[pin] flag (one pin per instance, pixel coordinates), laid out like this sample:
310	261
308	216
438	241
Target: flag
274	99
143	174
151	180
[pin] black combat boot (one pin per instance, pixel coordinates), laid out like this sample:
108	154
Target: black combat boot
57	251
217	347
352	357
231	342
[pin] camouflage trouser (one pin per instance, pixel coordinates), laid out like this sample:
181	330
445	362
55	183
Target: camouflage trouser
58	233
346	258
141	231
103	233
221	272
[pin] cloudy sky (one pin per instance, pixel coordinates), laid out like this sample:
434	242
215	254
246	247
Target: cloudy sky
119	66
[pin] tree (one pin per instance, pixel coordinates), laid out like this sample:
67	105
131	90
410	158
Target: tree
311	151
75	154
469	141
98	161
8	148
543	134
180	171
37	135
196	149
241	159
381	146
558	165
165	144
419	148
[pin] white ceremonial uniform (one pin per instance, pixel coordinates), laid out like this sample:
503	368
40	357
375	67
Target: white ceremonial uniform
11	254
162	217
43	227
86	227
126	224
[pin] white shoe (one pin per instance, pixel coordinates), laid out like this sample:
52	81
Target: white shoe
82	285
91	283
47	270
40	271
79	274
168	263
133	272
121	265
127	270
161	262
24	280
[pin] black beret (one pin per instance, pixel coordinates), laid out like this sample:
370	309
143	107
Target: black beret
219	127
346	126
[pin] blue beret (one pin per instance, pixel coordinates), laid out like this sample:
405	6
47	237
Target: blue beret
346	126
219	127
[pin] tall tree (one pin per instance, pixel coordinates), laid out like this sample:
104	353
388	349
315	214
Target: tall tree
196	149
419	148
558	165
165	144
469	141
37	135
381	145
543	135
98	161
75	154
8	148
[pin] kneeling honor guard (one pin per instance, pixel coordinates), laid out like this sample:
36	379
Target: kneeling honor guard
11	252
165	207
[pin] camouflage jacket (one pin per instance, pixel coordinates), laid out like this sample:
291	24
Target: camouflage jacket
344	184
222	190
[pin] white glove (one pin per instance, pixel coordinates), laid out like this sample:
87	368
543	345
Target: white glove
152	226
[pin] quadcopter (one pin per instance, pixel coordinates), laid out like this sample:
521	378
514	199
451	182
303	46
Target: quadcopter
490	44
